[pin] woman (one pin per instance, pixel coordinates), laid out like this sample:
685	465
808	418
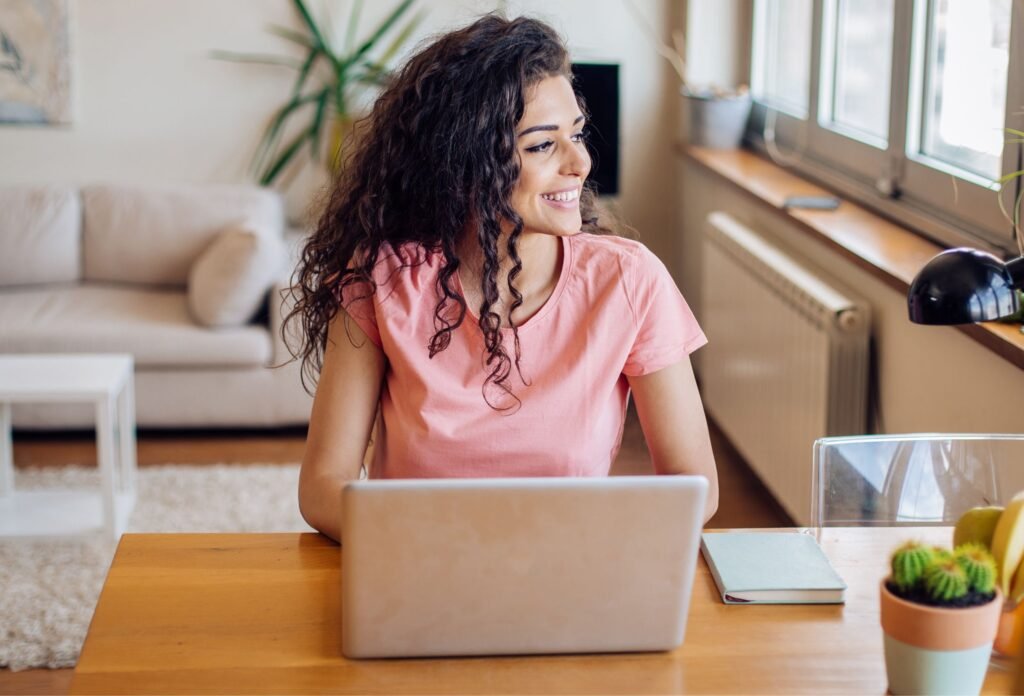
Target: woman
459	282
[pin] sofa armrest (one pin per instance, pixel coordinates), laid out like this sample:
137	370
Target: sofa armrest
281	302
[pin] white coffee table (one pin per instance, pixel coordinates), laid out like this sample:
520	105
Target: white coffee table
107	382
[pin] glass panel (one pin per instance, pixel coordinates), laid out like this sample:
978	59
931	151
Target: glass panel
965	95
786	54
863	66
891	480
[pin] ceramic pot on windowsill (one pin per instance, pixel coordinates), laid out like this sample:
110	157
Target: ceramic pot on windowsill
715	118
937	650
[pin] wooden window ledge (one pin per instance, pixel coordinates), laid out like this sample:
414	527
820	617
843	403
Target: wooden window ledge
886	250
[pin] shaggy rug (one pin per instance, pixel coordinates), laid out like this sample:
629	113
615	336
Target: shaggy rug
49	589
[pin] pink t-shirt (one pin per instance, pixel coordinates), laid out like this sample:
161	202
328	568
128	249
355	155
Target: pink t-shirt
615	311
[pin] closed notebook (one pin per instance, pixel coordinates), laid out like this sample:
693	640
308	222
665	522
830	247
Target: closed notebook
771	568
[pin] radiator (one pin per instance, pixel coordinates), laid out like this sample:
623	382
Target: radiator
787	359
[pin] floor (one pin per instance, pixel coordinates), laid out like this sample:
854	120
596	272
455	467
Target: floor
743	500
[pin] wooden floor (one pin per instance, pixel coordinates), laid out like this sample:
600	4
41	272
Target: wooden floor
743	500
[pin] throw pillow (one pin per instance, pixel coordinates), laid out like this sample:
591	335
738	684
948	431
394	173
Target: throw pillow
229	280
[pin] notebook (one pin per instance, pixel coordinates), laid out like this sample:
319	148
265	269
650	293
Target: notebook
518	566
771	568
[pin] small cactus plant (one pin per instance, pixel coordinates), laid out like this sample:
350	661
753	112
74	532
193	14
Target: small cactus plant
909	562
940	577
979	565
945	581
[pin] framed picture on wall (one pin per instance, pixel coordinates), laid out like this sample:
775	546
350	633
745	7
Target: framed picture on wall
35	69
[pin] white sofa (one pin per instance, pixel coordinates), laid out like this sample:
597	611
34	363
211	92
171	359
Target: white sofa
107	269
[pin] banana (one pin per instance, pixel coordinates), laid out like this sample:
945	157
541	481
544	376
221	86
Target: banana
1017	593
1008	541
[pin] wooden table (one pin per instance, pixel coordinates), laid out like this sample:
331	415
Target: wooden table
260	613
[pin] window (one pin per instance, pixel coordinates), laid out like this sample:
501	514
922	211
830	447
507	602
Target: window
965	76
859	55
783	73
909	99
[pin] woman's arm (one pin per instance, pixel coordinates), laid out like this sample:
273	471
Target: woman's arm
339	427
672	417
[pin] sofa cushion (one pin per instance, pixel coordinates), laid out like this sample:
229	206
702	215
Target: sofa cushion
40	235
229	281
154	235
152	324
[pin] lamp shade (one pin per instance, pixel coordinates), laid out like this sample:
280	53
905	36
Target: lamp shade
963	286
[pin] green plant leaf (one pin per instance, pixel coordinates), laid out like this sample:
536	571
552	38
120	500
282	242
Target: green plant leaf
272	134
300	81
395	15
353	22
318	36
1014	131
292	35
402	38
1011	176
260	58
285	157
317	127
375	77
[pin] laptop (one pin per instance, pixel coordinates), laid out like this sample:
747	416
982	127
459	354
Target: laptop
518	566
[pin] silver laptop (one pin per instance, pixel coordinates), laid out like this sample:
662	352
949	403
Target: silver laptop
521	566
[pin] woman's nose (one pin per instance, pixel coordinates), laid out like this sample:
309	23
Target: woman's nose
576	161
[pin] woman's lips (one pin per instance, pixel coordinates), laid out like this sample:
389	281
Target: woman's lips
568	199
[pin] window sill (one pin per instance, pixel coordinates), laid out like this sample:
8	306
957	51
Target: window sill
889	252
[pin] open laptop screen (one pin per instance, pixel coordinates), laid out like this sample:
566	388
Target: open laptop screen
518	566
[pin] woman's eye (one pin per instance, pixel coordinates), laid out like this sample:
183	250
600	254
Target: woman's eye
543	147
579	137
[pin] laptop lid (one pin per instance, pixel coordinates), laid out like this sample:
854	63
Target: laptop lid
521	566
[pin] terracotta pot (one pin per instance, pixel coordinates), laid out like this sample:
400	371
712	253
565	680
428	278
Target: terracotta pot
934	650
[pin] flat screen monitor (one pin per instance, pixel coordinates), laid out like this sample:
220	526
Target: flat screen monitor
598	84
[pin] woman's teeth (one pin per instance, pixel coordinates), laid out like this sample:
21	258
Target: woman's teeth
563	196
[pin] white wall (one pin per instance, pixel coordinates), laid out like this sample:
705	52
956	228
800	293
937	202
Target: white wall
151	106
715	55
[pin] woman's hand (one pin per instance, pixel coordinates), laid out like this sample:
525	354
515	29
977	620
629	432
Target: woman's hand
672	417
344	410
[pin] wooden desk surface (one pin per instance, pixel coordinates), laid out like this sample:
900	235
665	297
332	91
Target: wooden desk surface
260	613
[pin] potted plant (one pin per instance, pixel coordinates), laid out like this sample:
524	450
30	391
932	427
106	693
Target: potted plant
940	611
330	77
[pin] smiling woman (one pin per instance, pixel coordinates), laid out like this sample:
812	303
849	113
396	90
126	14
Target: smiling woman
467	199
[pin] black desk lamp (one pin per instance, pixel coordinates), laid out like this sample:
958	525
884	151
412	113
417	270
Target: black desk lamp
965	286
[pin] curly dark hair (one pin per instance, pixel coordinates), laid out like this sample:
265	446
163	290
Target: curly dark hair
435	159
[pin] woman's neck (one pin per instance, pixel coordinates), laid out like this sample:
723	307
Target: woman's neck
541	255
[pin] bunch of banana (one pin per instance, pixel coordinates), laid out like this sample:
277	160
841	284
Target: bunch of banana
1002	531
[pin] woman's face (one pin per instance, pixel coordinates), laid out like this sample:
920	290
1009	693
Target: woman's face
554	160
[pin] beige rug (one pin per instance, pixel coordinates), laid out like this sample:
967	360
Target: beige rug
48	590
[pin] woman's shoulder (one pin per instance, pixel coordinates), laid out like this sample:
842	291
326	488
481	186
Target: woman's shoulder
406	262
596	251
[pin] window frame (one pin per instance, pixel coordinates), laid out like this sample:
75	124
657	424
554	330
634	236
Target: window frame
902	185
864	161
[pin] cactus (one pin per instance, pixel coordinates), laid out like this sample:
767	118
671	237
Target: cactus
978	565
937	576
945	581
909	562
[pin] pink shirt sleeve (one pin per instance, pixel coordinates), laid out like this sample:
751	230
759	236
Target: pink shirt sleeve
361	305
666	329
